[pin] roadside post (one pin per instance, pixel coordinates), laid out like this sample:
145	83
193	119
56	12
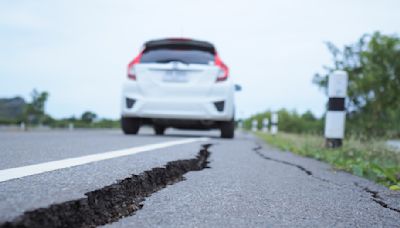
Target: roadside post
336	114
265	125
22	126
274	123
240	124
70	126
254	125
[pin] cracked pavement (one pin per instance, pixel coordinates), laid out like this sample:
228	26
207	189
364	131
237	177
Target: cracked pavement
248	183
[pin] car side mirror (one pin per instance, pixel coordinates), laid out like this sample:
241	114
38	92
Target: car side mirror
238	88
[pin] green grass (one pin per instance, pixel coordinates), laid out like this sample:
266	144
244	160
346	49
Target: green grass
372	160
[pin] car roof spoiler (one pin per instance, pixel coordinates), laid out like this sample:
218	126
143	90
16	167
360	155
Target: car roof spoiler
179	43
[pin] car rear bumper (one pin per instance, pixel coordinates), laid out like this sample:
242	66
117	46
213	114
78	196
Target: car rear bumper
170	109
208	108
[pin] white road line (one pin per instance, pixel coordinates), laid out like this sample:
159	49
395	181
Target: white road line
14	173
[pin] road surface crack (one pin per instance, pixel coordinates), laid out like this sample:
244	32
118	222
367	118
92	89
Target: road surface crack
258	151
377	198
258	148
113	202
374	194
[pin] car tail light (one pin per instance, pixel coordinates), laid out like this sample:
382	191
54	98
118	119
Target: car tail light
224	72
131	66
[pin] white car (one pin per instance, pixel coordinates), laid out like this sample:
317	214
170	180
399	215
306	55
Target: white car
179	83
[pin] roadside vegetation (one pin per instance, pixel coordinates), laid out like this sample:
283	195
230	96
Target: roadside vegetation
290	121
372	160
373	112
373	101
14	111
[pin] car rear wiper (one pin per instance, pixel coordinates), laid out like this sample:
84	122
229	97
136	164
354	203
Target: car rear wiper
172	60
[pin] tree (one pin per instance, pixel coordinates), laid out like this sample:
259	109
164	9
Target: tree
88	117
308	116
373	66
35	110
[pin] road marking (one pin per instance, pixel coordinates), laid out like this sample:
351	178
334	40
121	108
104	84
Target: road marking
14	173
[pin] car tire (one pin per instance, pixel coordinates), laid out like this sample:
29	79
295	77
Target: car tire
130	126
227	129
159	130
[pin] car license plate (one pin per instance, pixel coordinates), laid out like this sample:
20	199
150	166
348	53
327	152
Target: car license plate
175	76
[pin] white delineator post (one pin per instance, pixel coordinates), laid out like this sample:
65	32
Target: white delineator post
254	125
240	124
274	123
336	114
22	126
265	125
70	126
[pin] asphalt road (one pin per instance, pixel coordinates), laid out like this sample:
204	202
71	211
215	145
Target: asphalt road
394	144
248	184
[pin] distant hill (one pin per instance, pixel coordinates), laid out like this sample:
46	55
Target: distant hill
11	108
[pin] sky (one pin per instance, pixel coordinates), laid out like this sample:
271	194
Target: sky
78	50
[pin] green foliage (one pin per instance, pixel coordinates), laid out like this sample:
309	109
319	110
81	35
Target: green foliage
259	117
15	110
88	117
34	112
372	160
373	66
84	123
290	121
107	123
8	121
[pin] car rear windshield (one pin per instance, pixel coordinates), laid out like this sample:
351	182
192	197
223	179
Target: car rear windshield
166	55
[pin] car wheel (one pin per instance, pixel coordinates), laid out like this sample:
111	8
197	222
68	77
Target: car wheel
159	130
130	126
228	129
